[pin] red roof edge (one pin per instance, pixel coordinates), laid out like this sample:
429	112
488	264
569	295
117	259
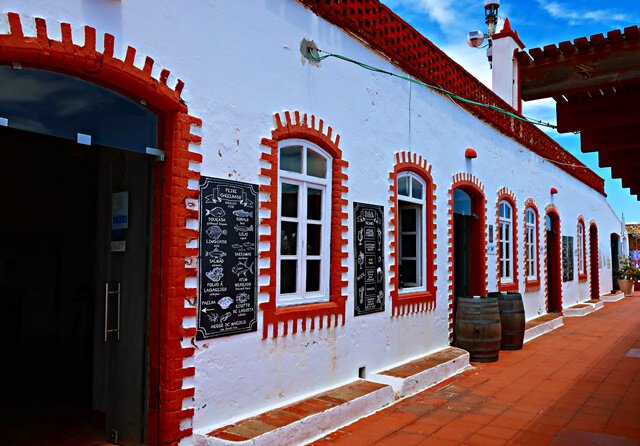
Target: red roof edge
506	31
385	32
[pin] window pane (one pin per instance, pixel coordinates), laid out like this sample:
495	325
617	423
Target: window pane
289	200
416	189
314	204
409	245
313	275
291	159
288	276
461	202
407	220
316	164
313	239
403	186
408	273
288	238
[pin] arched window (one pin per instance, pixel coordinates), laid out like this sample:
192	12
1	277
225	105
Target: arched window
581	248
506	243
531	244
304	223
412	232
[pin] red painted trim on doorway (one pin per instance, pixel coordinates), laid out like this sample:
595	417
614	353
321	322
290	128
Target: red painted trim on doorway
169	269
507	195
557	290
469	183
532	285
309	128
594	261
582	276
425	300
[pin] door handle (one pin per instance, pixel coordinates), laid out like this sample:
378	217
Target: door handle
107	330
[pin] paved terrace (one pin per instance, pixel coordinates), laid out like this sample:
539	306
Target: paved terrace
578	385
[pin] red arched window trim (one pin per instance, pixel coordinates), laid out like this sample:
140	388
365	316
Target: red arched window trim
532	285
505	194
582	275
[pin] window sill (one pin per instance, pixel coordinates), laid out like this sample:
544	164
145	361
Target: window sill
303	316
508	287
412	302
533	285
582	277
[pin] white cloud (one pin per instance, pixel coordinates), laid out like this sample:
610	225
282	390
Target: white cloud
559	11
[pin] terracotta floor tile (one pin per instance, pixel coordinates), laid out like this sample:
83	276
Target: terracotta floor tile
400	438
483	440
498	432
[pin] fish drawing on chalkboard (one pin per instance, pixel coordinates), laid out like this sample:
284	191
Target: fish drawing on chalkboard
244	229
216	253
225	302
248	245
242	213
215	232
236	246
215	275
245	201
242	298
241	269
215	212
225	316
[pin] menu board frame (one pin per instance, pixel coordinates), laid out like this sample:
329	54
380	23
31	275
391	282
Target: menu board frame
369	272
228	279
567	258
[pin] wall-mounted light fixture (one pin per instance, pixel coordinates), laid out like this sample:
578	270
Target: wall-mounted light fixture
554	191
470	153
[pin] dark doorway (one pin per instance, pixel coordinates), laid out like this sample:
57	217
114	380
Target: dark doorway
55	260
615	258
554	266
468	238
594	262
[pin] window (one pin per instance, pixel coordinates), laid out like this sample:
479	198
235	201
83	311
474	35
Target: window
531	244
304	224
582	268
412	230
506	242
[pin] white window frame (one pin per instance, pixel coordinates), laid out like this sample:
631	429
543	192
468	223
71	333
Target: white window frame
582	267
421	232
531	244
506	246
304	182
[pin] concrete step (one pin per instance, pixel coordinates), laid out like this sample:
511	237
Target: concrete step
542	325
581	309
612	297
420	374
304	420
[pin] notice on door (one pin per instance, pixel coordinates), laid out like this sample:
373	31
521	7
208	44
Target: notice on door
228	256
369	258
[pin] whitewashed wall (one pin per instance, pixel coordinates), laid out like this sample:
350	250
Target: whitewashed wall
241	63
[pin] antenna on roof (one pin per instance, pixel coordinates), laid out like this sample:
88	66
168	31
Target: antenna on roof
475	39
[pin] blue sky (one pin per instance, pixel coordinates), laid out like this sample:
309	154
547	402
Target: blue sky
447	22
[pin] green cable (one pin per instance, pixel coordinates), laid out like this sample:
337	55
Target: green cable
319	58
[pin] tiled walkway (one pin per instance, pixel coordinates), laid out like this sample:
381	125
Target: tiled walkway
578	385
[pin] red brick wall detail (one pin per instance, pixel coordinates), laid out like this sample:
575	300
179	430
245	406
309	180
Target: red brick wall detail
469	183
425	300
169	270
532	285
384	31
582	277
508	196
303	317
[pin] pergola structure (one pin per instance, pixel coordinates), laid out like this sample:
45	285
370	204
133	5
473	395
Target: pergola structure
596	85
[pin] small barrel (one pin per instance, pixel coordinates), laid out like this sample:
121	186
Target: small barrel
478	328
512	320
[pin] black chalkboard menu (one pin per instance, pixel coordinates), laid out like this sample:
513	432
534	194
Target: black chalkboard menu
369	258
567	258
228	257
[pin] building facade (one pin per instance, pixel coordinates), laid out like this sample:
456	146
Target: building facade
292	224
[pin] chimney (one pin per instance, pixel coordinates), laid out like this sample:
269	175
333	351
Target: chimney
505	80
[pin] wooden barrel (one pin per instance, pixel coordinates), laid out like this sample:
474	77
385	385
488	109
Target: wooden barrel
512	320
478	328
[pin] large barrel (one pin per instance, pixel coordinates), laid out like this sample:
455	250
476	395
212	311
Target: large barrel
512	319
478	328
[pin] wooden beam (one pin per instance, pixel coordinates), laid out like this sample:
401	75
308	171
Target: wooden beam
621	109
627	157
588	69
612	138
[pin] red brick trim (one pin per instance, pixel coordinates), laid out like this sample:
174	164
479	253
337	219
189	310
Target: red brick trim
167	412
594	261
532	285
469	183
507	195
582	277
311	129
552	209
424	300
